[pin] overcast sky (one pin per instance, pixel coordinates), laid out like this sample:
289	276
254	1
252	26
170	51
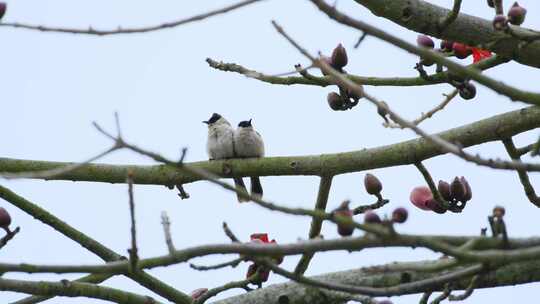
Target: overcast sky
55	85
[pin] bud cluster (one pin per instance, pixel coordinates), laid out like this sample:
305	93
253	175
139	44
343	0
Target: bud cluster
346	99
516	16
399	216
456	194
466	89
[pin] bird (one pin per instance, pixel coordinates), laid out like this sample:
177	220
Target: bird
220	144
249	143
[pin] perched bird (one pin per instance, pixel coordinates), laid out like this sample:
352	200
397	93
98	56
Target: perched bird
249	143
220	144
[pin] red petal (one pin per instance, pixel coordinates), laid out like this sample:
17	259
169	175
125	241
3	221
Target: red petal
260	236
479	54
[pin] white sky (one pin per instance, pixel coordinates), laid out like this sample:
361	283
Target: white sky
55	85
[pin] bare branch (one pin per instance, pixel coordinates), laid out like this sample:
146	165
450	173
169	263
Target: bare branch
120	30
167	231
133	252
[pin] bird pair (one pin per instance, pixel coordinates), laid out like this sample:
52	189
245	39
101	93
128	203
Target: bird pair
224	142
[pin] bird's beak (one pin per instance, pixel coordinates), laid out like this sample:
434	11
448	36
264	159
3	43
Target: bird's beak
206	122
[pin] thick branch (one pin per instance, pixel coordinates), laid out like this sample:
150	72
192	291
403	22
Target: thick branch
404	153
517	273
421	16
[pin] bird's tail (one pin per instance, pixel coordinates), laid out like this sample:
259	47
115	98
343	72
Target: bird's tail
256	187
239	184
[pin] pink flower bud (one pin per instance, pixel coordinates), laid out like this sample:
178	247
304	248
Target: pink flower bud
371	217
420	196
500	23
335	101
400	215
425	41
461	50
5	218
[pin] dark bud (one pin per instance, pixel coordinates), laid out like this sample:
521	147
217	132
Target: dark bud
339	57
425	41
3	8
263	274
457	190
434	206
500	23
372	184
461	50
344	229
468	191
467	91
446	45
352	94
490	3
516	14
400	215
444	190
335	101
371	217
5	218
499	211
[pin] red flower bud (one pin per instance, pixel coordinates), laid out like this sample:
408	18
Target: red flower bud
371	217
197	293
500	23
425	41
516	14
457	189
420	196
468	191
335	101
372	184
400	215
461	50
444	190
263	274
339	57
5	218
467	91
3	8
446	45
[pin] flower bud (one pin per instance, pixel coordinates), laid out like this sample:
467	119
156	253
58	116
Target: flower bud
467	91
344	229
468	191
372	184
425	41
339	57
457	189
500	23
263	274
444	190
516	14
400	215
420	196
3	8
197	293
446	45
5	218
371	217
461	50
335	101
499	211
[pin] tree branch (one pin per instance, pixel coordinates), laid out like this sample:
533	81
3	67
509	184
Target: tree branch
404	153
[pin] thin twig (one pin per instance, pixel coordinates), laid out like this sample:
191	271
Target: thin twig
133	252
232	264
425	297
451	17
468	292
360	40
9	235
229	233
120	30
446	292
166	223
431	184
364	208
522	174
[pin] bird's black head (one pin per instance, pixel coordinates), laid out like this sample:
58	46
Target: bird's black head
212	119
245	124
